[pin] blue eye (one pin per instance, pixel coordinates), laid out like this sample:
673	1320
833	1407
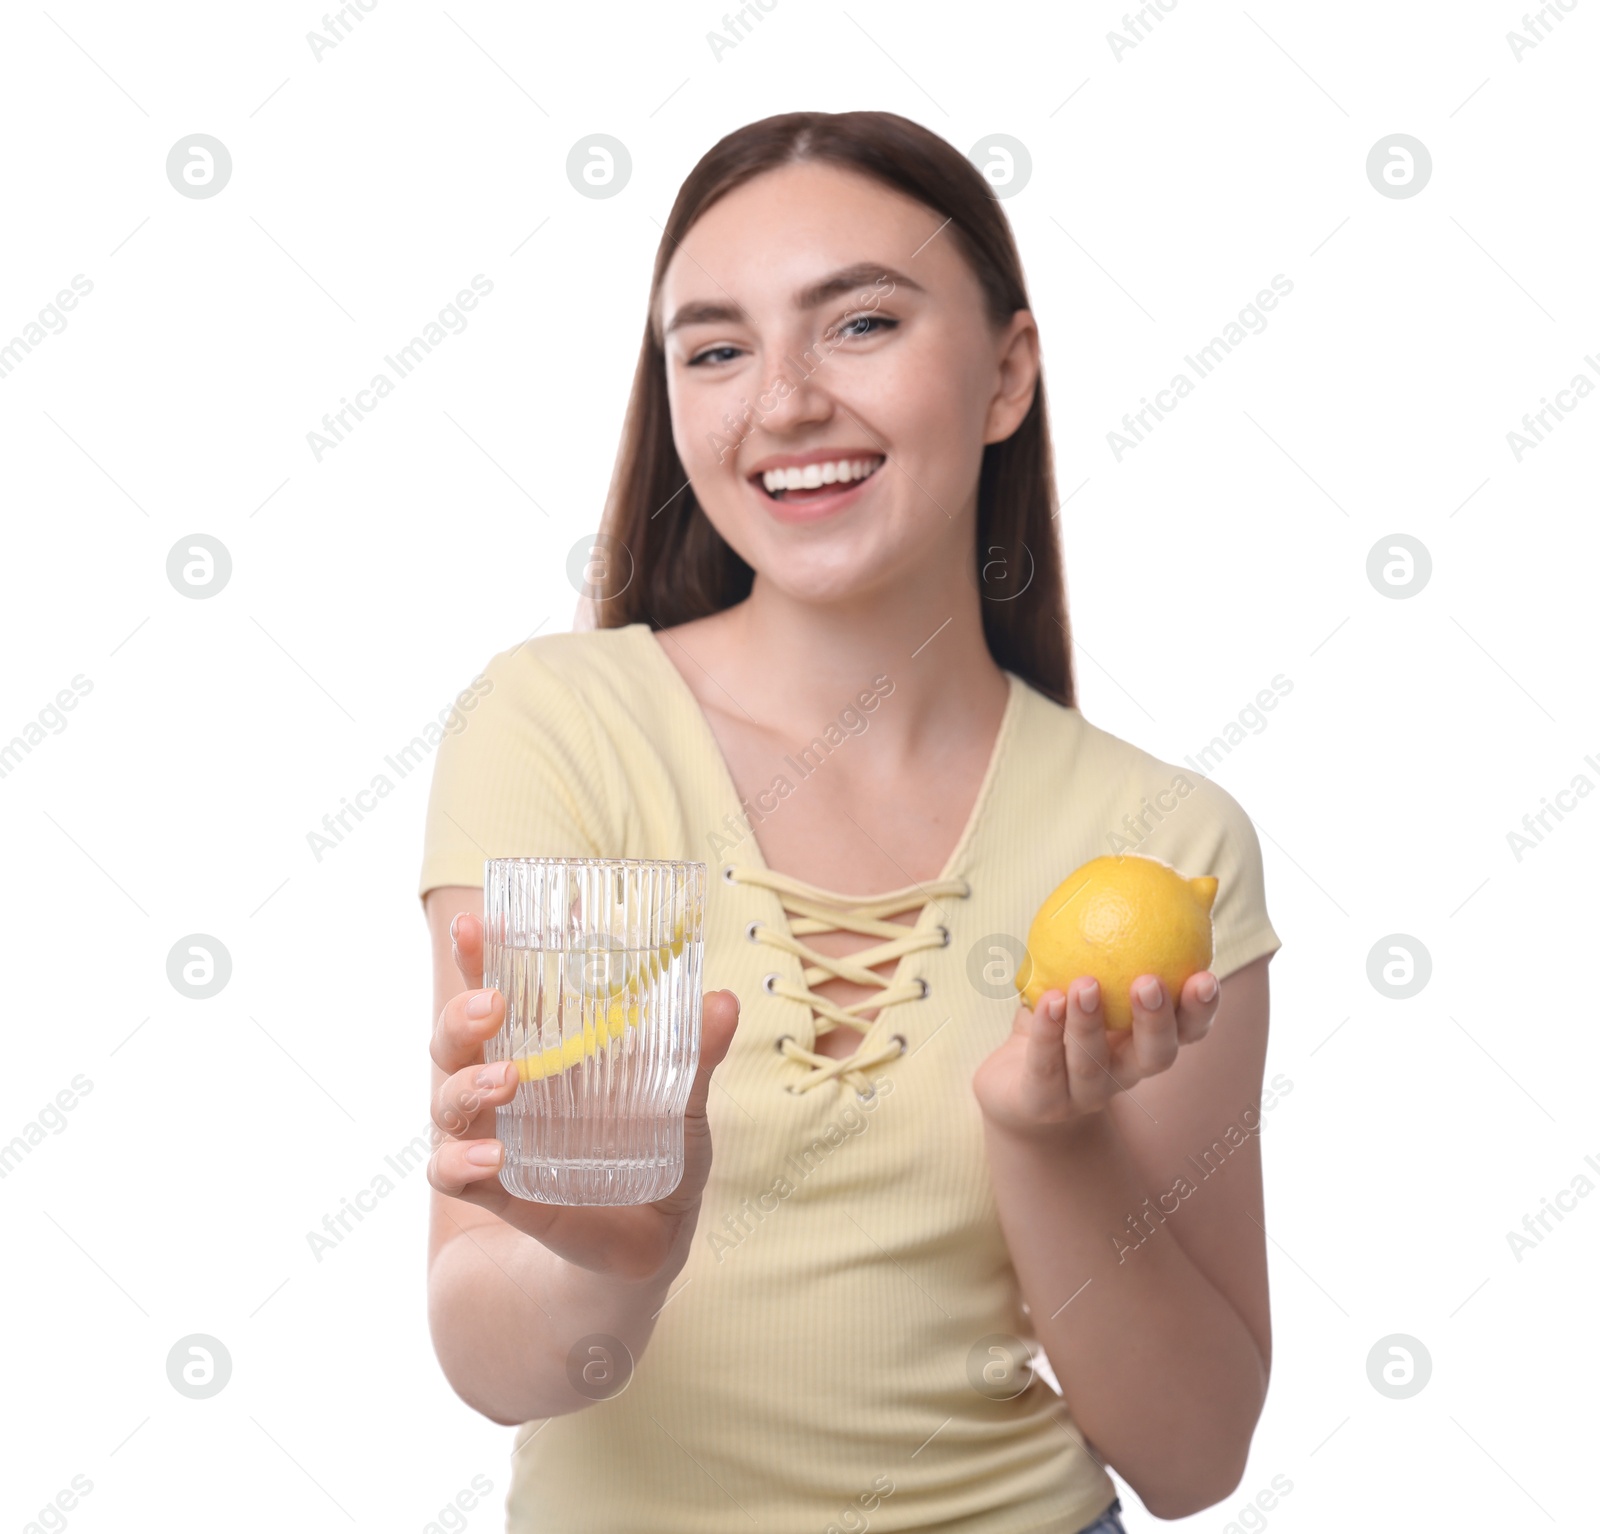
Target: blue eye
850	331
710	352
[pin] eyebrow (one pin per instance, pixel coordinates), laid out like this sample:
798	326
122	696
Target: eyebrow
845	280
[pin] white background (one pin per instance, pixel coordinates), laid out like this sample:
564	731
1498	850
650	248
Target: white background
1168	186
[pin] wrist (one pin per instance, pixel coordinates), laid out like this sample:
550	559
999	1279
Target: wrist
1082	1134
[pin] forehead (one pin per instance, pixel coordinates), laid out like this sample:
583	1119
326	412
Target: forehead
766	240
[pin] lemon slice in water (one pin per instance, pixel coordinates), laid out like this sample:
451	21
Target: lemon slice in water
620	1014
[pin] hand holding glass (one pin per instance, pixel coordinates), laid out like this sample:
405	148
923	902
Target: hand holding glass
599	962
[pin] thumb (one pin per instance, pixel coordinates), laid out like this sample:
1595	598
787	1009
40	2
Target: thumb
719	1019
466	943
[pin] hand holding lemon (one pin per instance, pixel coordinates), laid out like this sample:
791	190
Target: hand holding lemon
1114	981
1114	919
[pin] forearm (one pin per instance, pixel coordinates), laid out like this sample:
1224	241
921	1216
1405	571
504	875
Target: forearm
1159	1369
506	1312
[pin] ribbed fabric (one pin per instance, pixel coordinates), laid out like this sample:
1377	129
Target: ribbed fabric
849	1263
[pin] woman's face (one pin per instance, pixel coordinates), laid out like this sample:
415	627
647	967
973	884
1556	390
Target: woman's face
833	377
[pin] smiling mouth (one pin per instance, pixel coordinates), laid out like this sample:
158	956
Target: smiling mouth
816	480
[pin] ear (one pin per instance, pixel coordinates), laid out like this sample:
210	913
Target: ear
1017	357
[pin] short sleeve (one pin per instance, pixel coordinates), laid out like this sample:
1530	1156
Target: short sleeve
1215	836
515	774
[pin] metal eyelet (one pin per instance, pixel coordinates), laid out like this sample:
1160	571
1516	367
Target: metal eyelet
727	873
767	979
866	1097
944	929
924	984
750	930
902	1039
779	1044
792	1091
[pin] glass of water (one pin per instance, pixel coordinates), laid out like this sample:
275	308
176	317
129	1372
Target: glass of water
599	962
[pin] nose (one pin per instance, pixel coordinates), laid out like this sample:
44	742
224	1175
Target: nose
798	390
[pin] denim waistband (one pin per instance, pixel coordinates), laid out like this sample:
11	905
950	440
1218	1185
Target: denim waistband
1108	1522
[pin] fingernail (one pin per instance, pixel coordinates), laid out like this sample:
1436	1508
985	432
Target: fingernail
1150	995
1057	1008
484	1153
1089	996
495	1075
453	920
1207	988
481	1005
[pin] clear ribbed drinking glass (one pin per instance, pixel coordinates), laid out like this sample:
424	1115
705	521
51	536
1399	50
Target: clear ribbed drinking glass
599	962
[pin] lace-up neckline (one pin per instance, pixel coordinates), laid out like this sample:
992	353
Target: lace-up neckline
811	910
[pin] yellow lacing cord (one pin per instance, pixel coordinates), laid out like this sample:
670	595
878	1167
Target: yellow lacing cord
812	910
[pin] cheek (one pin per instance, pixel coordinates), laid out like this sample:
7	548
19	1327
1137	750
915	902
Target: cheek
934	425
687	409
928	400
708	423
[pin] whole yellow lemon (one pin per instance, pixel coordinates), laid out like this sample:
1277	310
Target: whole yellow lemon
1117	918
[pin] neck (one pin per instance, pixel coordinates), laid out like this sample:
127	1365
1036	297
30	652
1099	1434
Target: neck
787	661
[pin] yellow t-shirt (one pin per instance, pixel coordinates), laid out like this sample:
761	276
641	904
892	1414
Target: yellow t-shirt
821	1360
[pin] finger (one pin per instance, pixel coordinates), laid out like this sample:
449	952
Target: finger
1088	1054
466	941
468	1019
1155	1027
464	1105
719	1019
1044	1027
1197	1006
469	1169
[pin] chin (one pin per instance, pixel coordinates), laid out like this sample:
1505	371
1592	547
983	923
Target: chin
840	574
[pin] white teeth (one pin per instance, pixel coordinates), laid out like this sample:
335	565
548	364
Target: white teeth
814	475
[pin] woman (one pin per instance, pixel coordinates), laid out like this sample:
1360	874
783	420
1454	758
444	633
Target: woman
833	664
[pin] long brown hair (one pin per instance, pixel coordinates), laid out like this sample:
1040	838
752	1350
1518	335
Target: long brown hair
663	562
